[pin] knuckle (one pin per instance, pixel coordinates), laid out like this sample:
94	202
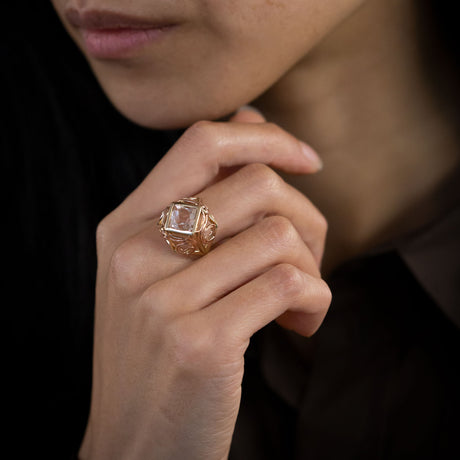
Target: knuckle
157	301
126	266
326	293
263	178
278	232
201	132
274	129
319	308
190	348
103	232
202	140
321	223
321	294
287	281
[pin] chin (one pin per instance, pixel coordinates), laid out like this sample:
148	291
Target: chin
155	120
168	115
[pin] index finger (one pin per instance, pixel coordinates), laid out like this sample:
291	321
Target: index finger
203	150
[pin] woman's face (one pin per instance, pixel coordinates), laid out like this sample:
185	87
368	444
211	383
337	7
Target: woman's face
169	63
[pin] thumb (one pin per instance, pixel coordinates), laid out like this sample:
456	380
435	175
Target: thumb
248	114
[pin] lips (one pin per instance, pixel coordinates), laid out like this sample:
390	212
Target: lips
104	19
112	35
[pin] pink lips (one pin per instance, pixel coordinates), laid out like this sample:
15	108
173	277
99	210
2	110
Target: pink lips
118	43
109	35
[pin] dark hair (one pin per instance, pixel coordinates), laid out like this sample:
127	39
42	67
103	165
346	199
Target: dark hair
68	159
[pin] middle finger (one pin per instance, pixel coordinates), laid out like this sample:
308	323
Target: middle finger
255	192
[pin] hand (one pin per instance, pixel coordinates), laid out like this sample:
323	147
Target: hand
171	332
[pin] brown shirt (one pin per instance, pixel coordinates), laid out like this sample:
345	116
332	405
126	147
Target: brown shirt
381	378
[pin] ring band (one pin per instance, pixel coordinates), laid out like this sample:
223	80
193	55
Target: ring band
188	227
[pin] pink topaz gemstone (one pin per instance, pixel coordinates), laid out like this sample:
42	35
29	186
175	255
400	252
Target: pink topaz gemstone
183	218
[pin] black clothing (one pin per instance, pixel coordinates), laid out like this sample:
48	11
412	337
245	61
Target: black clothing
381	377
379	380
68	158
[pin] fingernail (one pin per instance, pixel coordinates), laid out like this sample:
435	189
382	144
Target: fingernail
312	156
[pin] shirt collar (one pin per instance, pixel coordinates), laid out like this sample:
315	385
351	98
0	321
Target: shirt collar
432	255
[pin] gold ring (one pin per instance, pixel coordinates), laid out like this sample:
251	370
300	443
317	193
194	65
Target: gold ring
188	227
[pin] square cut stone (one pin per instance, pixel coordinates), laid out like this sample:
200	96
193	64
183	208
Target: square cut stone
182	218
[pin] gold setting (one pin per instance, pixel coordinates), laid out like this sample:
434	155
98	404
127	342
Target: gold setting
194	235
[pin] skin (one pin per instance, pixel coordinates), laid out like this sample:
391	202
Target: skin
389	144
216	46
168	362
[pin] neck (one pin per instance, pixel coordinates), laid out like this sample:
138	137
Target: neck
361	100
